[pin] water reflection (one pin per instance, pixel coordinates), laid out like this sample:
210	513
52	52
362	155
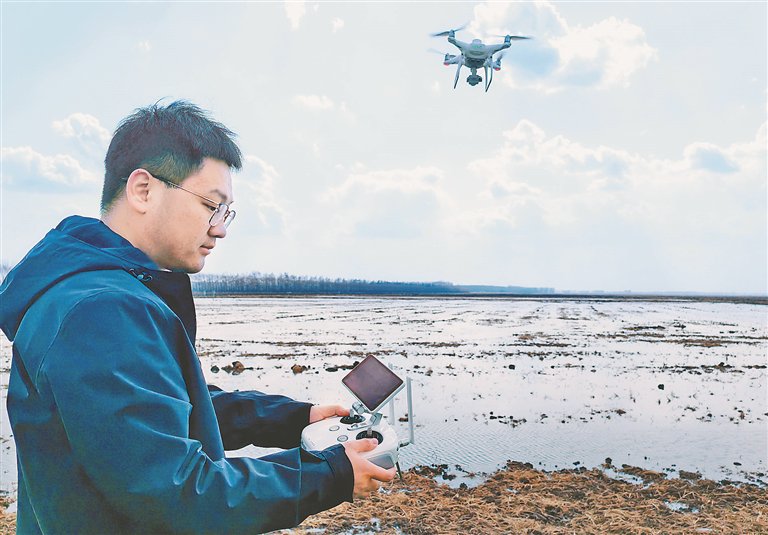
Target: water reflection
557	383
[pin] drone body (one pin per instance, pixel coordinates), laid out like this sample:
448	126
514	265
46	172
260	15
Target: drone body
475	55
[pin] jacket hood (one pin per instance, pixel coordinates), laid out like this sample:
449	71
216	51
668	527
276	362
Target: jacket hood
79	244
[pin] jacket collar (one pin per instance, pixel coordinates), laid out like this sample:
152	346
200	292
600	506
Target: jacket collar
175	290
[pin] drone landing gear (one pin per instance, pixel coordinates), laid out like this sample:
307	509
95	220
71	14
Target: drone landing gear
458	70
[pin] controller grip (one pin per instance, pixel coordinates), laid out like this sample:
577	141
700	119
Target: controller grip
384	461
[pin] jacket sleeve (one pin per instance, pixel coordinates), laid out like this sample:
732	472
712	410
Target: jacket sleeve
260	419
122	399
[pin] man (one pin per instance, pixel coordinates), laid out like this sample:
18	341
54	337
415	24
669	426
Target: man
115	428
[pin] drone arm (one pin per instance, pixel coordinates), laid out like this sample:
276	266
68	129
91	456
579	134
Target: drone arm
492	49
461	45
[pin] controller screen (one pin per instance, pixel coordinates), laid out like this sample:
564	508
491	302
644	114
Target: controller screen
372	382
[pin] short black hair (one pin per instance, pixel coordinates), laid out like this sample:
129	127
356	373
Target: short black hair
171	141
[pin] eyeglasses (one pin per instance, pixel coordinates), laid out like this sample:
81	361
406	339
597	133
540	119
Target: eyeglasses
221	214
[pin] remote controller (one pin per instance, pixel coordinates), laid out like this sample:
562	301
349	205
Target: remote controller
373	385
337	430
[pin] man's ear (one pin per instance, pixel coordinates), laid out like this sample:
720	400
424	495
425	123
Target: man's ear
138	190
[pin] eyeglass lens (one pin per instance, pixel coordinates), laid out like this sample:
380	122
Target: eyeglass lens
222	215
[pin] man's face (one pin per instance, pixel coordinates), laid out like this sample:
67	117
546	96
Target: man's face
181	236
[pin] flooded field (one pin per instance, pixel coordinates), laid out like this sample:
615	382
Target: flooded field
668	385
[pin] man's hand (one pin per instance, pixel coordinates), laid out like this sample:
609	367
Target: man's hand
321	412
367	475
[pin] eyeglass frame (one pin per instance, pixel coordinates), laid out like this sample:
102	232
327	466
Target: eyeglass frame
229	215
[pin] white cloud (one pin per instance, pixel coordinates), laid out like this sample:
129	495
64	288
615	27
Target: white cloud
256	197
705	209
561	176
531	161
545	209
534	19
608	52
295	11
347	113
86	130
144	46
314	102
396	203
26	169
337	24
550	210
603	55
708	156
421	178
324	103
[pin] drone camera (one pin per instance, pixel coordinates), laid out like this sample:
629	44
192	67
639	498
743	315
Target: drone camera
474	79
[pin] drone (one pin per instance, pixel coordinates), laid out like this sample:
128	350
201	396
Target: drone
475	55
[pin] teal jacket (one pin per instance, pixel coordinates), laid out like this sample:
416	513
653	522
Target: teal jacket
116	430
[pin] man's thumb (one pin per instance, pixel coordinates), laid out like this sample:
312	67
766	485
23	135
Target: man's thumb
367	444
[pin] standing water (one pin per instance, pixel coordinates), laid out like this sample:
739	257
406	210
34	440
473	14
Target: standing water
662	384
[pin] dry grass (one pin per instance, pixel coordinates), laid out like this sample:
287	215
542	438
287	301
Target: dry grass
520	499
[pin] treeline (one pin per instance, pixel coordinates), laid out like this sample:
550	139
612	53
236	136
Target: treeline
260	283
270	284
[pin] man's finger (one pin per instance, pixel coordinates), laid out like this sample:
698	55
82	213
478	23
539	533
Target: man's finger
363	445
382	474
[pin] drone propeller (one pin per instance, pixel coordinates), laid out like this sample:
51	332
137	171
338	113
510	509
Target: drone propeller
436	51
446	33
512	37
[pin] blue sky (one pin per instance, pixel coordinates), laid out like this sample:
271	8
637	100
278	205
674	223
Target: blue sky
623	148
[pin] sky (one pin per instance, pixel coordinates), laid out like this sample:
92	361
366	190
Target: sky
622	148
